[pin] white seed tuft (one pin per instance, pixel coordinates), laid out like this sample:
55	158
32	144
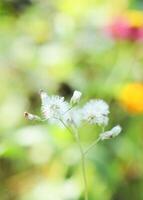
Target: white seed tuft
53	107
96	112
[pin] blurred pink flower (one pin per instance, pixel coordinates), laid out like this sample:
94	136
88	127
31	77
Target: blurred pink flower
121	28
136	33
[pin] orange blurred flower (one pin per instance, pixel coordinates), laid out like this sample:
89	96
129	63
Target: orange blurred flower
131	97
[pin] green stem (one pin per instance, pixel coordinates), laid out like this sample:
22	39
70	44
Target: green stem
91	146
68	110
83	166
77	138
94	142
69	130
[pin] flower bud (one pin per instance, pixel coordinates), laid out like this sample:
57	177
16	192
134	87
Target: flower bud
115	131
31	117
43	96
76	97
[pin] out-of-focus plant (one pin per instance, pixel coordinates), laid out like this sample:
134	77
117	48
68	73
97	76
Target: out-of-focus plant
95	112
131	97
128	26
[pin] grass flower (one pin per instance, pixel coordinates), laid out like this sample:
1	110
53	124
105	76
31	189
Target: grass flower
96	112
53	107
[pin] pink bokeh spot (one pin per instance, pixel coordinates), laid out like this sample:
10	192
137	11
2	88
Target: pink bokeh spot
121	29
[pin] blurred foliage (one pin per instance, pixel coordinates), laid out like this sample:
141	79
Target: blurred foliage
60	46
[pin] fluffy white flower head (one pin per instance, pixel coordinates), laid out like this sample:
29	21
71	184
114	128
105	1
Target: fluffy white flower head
53	107
76	97
96	112
115	131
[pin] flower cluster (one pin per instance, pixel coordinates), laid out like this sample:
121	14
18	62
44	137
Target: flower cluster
56	109
95	112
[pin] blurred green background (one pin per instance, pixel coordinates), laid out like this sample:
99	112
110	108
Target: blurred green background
60	46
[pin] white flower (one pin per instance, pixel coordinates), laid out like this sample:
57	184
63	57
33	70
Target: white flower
53	107
115	131
76	97
96	112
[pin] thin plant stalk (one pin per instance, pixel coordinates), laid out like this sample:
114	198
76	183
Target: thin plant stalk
77	138
83	165
92	145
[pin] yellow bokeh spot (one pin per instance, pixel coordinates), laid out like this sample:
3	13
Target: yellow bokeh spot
131	97
38	29
76	8
135	18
